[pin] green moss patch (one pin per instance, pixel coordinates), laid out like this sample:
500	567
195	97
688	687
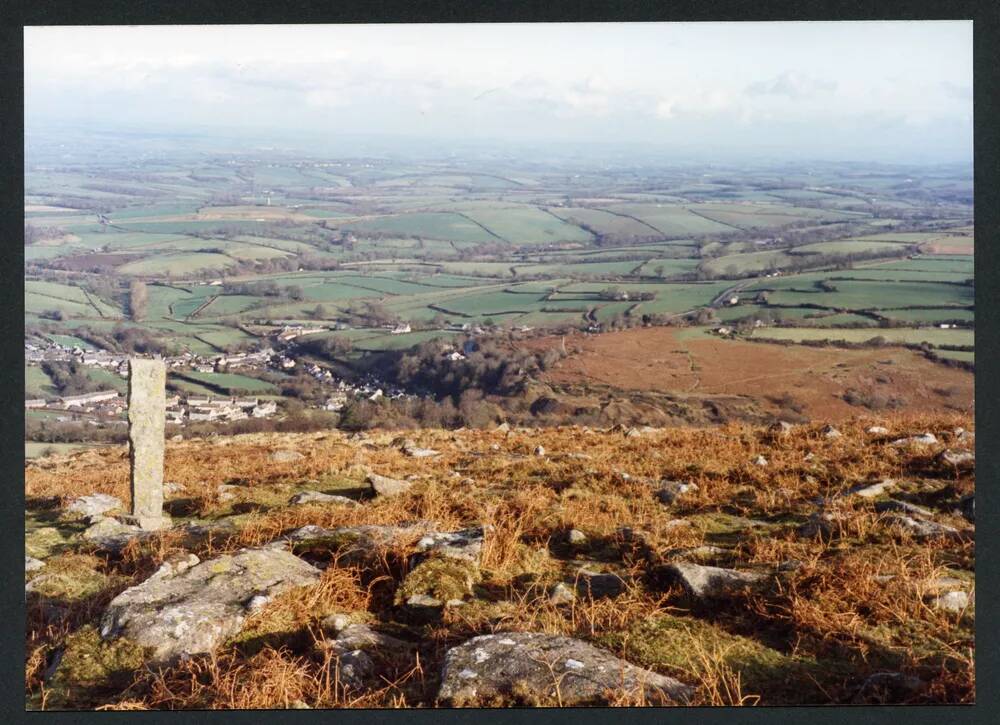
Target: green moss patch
91	667
70	577
442	578
688	647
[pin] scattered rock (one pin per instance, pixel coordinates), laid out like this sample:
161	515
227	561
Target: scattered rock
671	490
760	461
415	451
494	447
32	564
334	623
503	428
781	427
957	459
925	439
790	565
902	506
575	537
824	524
877	430
712	582
551	668
562	594
93	505
182	610
285	456
598	586
633	433
955	602
888	687
318	497
539	451
171	487
809	456
871	490
177	438
226	491
385	486
829	431
920	528
112	534
357	647
466	544
965	436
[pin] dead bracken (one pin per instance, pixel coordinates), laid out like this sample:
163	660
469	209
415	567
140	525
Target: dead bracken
804	581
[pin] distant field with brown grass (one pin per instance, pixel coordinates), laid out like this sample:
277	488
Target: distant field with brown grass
814	380
848	595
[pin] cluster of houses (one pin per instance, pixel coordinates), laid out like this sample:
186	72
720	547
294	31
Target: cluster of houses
207	409
105	403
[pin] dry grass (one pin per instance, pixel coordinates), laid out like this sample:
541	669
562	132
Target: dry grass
855	604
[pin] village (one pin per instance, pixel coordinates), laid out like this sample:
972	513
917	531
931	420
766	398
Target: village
106	407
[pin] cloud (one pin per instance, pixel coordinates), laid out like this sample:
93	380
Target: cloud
695	104
791	85
956	90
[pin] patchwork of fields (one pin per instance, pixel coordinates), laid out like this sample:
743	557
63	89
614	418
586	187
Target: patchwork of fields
358	247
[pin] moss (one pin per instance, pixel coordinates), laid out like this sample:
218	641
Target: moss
44	541
443	578
682	646
70	577
91	667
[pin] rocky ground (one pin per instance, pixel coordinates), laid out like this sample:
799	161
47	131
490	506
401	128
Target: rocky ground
567	566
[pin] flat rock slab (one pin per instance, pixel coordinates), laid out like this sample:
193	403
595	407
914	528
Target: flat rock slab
32	564
712	582
113	535
921	528
417	452
903	507
385	486
557	669
466	544
356	544
318	497
957	459
284	456
871	490
924	439
93	505
596	585
191	607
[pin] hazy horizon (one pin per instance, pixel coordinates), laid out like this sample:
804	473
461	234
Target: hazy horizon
887	91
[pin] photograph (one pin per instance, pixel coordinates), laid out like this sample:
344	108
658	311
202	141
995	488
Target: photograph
498	365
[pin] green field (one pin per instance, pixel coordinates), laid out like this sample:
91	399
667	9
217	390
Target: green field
858	294
227	382
528	225
932	336
434	225
177	264
671	221
36	383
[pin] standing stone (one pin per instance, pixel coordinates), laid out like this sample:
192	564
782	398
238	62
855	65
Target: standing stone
147	403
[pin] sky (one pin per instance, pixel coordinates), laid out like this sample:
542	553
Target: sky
897	91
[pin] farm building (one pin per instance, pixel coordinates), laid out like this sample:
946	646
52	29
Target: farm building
71	401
